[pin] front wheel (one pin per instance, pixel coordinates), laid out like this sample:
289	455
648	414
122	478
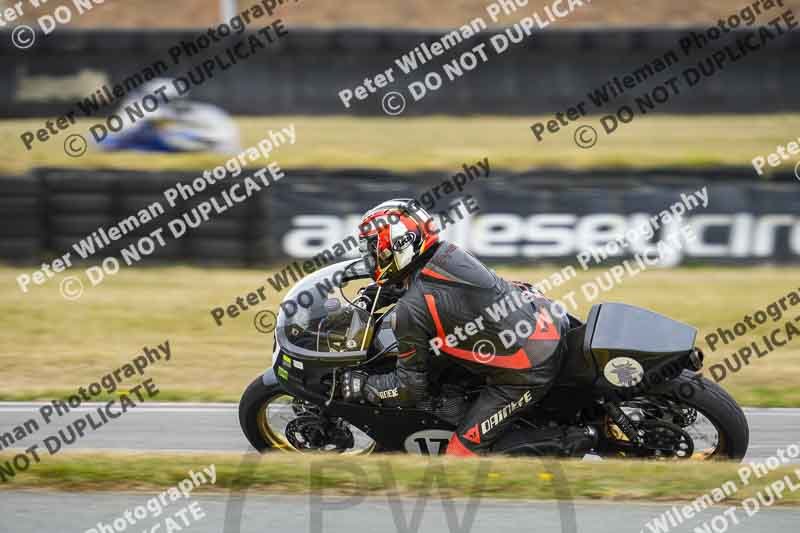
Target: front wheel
272	419
252	415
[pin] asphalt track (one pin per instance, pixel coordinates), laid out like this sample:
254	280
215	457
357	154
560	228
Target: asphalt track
23	512
214	427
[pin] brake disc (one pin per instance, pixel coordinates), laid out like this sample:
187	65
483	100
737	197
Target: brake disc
306	433
312	433
686	417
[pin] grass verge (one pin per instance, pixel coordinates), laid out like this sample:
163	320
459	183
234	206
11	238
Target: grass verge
445	143
52	346
503	478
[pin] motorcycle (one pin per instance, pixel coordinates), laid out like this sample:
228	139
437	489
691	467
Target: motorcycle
630	377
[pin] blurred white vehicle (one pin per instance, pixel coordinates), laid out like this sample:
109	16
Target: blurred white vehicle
178	125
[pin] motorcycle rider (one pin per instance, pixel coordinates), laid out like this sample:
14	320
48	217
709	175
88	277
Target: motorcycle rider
455	311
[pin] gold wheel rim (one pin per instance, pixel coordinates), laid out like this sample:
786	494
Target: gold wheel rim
267	432
277	440
707	454
711	453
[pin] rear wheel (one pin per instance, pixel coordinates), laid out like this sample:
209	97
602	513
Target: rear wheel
271	419
688	417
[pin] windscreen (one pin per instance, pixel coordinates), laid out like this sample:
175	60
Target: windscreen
317	314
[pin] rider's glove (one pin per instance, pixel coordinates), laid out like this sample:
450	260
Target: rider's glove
355	387
353	384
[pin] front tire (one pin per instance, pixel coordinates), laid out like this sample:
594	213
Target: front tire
262	397
251	414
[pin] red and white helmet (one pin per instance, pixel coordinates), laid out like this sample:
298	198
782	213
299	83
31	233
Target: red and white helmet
393	236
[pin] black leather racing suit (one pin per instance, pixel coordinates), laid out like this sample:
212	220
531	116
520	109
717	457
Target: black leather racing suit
504	332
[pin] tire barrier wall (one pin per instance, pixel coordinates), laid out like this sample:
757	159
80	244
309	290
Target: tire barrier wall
541	216
55	209
303	72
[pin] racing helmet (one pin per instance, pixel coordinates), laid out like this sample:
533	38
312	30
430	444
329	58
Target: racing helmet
394	236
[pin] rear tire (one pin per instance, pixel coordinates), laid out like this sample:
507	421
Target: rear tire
715	404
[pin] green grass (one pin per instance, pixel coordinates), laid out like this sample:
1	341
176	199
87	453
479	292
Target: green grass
445	143
50	346
502	478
